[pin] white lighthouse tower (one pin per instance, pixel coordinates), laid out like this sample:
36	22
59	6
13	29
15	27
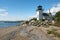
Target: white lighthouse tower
39	13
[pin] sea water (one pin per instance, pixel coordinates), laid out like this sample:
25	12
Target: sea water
8	24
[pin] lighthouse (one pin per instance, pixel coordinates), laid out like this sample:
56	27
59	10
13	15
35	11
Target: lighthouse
39	13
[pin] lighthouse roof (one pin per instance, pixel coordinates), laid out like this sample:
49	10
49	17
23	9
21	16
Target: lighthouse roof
39	7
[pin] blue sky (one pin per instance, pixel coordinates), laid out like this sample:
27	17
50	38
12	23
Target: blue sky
22	9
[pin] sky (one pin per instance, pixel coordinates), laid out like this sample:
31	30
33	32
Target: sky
15	10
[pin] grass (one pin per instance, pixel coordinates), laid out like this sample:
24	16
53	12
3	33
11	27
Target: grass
57	34
50	31
53	32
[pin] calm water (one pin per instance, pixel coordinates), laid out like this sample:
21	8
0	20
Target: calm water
8	24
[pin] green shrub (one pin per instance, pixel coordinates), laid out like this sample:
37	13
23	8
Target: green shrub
57	19
57	34
27	22
50	31
53	32
33	19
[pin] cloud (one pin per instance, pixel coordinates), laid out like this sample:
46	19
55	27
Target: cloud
30	17
3	12
54	9
33	16
10	18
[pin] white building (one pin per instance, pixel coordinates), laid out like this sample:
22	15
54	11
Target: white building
41	15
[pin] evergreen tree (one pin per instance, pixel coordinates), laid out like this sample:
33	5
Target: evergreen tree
57	18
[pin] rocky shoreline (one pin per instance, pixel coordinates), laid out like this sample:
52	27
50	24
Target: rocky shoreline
23	32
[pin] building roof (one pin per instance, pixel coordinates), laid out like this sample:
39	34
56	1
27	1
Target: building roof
45	14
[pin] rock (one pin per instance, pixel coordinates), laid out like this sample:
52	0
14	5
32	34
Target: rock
26	33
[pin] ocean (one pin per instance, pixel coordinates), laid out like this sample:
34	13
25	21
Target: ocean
4	24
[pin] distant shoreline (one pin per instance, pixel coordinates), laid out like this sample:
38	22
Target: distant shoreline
5	24
11	21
